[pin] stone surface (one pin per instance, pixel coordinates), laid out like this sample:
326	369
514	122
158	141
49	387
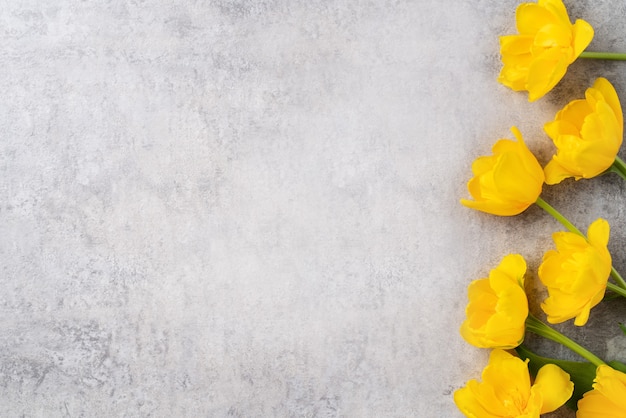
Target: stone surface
250	208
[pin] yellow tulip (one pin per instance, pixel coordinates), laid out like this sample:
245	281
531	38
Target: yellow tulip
576	273
608	397
537	58
498	306
506	390
587	134
507	182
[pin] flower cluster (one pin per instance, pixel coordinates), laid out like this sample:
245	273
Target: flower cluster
578	273
537	58
506	390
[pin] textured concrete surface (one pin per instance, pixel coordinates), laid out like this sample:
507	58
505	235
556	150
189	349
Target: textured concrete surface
250	208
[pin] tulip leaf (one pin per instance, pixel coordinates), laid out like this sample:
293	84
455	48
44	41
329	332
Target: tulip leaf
581	373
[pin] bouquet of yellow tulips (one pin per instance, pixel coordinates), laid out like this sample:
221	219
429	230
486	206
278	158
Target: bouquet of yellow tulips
578	273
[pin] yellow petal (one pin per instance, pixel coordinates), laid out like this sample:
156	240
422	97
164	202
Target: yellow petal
555	173
583	315
569	241
610	95
515	267
598	232
555	387
612	384
515	48
608	398
553	36
557	8
550	269
509	185
508	375
575	113
533	168
601	133
531	17
595	405
482	165
544	73
513	77
470	404
503	146
560	127
600	142
496	208
583	34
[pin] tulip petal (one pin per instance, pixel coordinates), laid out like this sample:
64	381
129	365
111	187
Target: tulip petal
482	165
555	387
508	375
507	183
470	404
514	46
574	113
532	166
612	384
555	173
515	267
553	36
583	34
496	208
599	232
610	95
596	405
608	397
531	17
560	127
602	135
601	142
583	315
544	73
557	8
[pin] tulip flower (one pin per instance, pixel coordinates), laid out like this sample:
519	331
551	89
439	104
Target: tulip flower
507	182
536	59
498	306
506	389
587	133
576	273
608	397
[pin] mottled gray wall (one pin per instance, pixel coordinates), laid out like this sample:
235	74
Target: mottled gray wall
250	208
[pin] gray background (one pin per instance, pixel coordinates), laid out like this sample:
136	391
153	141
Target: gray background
250	208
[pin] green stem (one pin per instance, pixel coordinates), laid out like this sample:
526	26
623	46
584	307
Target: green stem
570	227
616	56
616	289
618	167
618	278
534	325
557	215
